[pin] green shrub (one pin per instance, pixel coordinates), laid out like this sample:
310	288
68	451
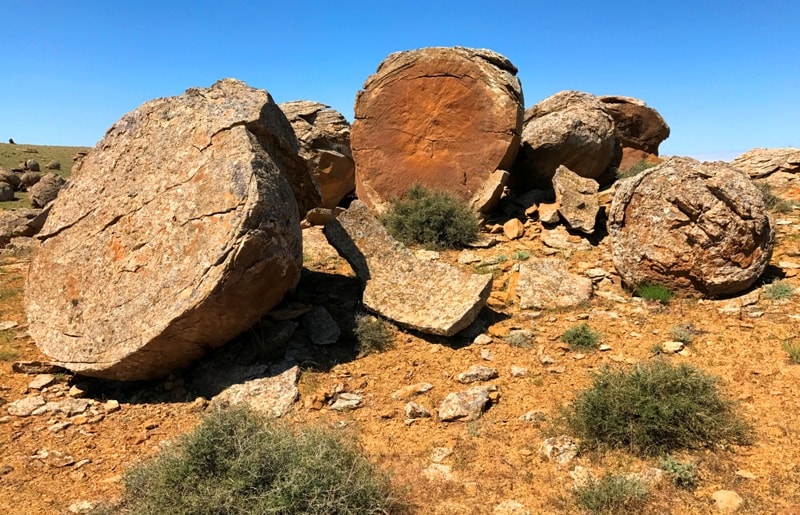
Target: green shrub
372	334
521	338
654	408
240	462
657	292
772	202
581	337
521	255
611	494
634	169
793	350
683	475
778	290
433	219
684	333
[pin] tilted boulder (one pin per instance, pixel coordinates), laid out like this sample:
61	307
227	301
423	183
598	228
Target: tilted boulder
691	226
569	128
178	231
577	199
763	162
324	138
46	190
637	125
446	118
427	296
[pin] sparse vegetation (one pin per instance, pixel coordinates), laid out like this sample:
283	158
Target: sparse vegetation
635	169
432	219
581	337
239	462
612	493
683	475
778	290
653	408
793	350
684	333
654	292
519	338
372	334
772	202
521	255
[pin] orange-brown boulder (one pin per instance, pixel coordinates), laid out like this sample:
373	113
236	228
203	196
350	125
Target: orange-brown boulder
636	124
446	118
178	231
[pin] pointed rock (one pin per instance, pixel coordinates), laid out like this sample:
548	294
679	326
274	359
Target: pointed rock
430	297
576	198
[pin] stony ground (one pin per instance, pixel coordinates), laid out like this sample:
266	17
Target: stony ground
79	449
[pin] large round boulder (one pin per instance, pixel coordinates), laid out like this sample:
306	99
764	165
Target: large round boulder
701	228
179	230
570	128
447	118
324	138
638	126
46	190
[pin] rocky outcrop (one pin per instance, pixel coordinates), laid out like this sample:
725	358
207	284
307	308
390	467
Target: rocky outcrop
446	118
547	283
431	297
697	227
763	162
636	125
324	138
577	199
46	190
22	222
178	231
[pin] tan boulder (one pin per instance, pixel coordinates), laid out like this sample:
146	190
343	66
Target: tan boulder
178	231
569	128
446	118
324	138
636	125
691	226
46	190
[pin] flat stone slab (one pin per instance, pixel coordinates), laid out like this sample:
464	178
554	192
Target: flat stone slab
548	283
428	296
272	395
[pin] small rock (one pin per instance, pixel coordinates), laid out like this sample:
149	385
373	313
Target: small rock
548	213
68	407
411	390
595	274
466	257
671	347
25	407
82	507
416	410
466	405
561	449
36	367
5	469
322	328
61	426
513	229
546	360
5	325
439	454
197	405
486	354
482	339
604	347
726	501
746	474
581	476
346	402
534	416
111	406
76	391
477	373
517	371
510	507
41	381
427	255
438	471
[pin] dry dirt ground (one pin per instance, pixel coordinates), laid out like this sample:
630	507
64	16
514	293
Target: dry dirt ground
45	467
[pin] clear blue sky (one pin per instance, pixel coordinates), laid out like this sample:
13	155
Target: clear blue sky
724	74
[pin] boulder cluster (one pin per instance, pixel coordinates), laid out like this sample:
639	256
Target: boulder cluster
181	228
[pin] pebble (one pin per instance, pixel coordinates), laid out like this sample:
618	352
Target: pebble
438	471
726	501
746	474
561	449
25	407
482	339
517	371
671	347
510	507
111	406
76	391
41	381
415	410
411	390
477	373
486	354
346	402
61	426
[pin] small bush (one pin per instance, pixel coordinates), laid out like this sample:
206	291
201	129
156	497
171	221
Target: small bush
684	333
581	337
634	169
611	494
771	202
372	334
655	292
683	475
239	462
654	408
432	219
793	350
521	255
519	338
778	290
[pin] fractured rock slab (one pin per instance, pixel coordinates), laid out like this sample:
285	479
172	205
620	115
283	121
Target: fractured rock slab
548	283
427	296
272	395
467	405
576	198
177	232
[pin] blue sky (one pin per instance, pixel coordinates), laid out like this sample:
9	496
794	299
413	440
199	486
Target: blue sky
725	75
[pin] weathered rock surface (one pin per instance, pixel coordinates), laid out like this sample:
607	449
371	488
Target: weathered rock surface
428	296
15	223
762	162
272	394
577	199
324	138
467	405
697	227
46	190
10	177
569	128
447	118
636	124
322	328
25	407
477	373
6	192
178	231
548	283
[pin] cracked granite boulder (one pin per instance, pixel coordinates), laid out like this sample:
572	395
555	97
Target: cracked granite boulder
447	118
179	230
701	228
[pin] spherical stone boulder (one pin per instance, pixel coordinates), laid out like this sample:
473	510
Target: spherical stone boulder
178	231
638	126
54	165
324	138
46	190
10	177
32	165
700	228
6	191
569	128
446	118
28	179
